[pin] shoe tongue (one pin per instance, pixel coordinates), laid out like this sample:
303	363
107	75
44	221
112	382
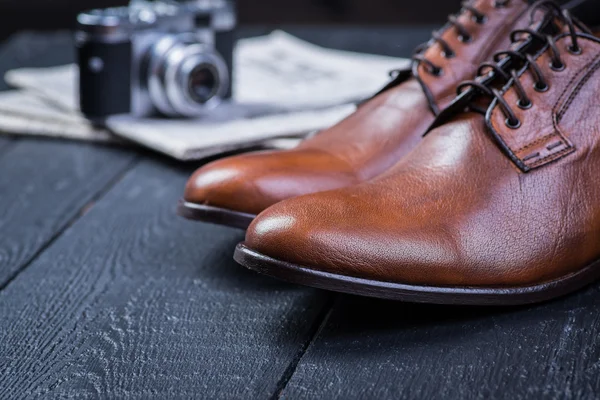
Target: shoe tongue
548	19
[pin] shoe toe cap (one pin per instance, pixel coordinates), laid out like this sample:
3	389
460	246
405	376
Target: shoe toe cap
315	231
252	182
334	232
224	184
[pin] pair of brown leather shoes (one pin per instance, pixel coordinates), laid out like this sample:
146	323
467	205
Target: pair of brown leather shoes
496	204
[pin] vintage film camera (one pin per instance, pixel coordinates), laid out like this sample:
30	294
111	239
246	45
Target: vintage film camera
156	58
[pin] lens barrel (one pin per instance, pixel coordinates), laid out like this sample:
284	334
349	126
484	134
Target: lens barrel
185	78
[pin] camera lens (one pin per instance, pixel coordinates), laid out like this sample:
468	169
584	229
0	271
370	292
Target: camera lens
185	77
203	83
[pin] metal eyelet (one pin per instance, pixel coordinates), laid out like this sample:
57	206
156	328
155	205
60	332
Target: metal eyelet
524	106
539	87
575	50
465	39
513	124
558	68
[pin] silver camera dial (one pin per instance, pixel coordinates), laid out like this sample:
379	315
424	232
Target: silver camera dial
185	77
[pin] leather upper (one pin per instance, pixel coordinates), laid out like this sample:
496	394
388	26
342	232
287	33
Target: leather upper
370	141
541	138
477	203
485	38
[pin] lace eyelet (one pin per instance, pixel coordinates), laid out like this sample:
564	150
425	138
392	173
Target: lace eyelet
465	39
557	67
500	3
448	54
513	124
575	50
437	72
480	20
541	87
524	106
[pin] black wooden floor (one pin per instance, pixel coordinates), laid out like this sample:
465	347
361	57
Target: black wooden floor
105	293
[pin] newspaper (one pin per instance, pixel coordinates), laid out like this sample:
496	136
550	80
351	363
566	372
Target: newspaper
24	113
284	88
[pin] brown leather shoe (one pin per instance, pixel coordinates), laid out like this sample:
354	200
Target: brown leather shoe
493	208
232	191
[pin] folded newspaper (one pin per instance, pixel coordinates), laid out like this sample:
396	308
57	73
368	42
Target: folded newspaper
284	87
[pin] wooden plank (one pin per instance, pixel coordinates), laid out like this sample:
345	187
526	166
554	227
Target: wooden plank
135	302
4	143
44	185
132	302
379	349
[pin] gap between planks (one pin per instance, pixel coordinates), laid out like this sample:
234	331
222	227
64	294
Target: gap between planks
319	324
82	210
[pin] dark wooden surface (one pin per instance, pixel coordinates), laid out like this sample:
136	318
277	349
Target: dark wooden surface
105	293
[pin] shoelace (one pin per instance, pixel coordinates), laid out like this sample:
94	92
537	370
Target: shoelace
463	35
526	61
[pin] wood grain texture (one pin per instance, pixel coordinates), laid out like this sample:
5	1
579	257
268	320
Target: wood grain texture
44	185
390	350
133	302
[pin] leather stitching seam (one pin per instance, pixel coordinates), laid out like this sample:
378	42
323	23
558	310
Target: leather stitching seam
505	90
538	141
552	157
557	131
570	83
582	82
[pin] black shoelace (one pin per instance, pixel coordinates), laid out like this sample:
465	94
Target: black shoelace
526	62
463	35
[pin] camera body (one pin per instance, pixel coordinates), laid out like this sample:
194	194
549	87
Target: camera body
156	58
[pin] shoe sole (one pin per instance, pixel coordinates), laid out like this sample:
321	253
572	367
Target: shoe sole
214	215
483	296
